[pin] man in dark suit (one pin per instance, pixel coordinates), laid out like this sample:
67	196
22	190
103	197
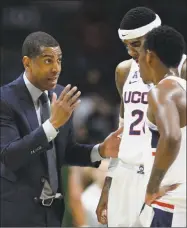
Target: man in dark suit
37	138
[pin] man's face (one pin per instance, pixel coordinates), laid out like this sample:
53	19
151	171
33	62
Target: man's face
44	70
133	47
144	61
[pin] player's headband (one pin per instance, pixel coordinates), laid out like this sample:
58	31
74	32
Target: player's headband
135	33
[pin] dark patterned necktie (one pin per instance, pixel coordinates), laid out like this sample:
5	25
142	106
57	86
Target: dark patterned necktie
51	154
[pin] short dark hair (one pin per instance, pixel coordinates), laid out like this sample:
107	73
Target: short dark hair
137	17
167	43
34	41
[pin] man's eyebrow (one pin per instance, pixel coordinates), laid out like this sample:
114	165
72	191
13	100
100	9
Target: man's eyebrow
51	56
47	55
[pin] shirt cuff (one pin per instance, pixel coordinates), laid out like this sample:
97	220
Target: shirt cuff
49	130
95	156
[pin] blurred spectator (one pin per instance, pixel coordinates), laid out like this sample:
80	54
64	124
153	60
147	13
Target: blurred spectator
84	197
94	119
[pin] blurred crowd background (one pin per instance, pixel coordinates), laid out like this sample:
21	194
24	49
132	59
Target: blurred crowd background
87	33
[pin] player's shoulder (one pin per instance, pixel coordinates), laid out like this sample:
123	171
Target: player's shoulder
167	89
122	71
171	82
123	68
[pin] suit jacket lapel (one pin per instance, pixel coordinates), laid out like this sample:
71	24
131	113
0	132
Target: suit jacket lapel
26	103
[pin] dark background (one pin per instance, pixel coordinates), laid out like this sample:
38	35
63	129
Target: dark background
87	33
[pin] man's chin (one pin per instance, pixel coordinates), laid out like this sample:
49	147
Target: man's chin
49	87
52	87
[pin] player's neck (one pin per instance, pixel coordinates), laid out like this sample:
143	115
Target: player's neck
161	73
172	72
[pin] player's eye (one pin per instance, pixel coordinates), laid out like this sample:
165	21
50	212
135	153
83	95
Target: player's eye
135	44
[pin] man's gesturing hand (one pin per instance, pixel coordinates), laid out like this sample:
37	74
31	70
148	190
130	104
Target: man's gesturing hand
63	107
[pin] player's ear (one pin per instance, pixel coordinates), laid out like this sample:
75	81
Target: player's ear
149	57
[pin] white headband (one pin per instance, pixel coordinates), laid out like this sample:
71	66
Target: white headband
135	33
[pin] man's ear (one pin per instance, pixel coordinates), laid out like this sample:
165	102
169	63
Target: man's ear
26	62
150	55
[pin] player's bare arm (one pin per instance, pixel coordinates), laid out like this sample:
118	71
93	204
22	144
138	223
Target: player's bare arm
166	111
121	73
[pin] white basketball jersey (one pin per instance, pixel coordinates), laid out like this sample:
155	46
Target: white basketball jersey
135	140
135	107
177	171
181	63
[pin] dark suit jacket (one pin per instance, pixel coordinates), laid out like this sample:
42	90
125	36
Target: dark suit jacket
23	145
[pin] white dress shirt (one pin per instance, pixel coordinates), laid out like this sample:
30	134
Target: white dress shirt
49	130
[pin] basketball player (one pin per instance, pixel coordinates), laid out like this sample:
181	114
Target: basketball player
166	118
125	177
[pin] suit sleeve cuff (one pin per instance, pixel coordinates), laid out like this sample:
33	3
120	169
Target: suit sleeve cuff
95	156
49	130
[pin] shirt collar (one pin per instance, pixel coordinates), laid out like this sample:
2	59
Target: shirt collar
34	91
